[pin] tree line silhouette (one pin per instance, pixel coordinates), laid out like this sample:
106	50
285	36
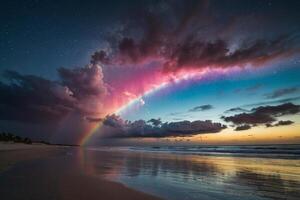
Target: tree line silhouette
9	137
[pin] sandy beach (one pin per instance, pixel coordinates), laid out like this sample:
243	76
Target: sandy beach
51	172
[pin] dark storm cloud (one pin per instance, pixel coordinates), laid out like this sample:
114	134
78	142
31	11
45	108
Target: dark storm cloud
83	82
263	114
281	123
29	98
249	118
189	35
279	110
114	121
282	92
140	128
99	56
87	86
201	108
199	54
242	127
155	122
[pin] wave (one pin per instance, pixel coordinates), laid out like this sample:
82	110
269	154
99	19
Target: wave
243	150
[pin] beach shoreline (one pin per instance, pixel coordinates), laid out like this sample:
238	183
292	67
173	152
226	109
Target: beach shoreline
23	170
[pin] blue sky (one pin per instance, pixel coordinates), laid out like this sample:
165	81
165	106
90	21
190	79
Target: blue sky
223	92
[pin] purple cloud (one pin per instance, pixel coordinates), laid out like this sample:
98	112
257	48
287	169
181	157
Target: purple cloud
280	123
263	115
192	37
30	98
242	127
154	128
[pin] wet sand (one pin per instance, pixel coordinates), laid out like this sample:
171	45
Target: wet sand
54	172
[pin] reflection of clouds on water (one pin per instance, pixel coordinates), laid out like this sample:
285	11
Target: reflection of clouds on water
100	163
165	164
269	185
217	177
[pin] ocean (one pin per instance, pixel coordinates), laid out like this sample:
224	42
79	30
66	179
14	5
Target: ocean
250	172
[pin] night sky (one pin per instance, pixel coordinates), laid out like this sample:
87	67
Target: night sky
139	72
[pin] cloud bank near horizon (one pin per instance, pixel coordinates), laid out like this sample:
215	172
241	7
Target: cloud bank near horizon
263	115
154	128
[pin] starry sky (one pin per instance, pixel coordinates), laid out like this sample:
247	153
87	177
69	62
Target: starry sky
151	72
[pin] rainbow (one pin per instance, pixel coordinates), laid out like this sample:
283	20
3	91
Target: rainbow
183	76
89	134
93	129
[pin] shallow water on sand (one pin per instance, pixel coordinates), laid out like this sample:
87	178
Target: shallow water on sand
188	176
